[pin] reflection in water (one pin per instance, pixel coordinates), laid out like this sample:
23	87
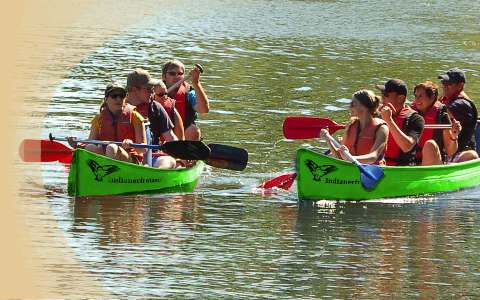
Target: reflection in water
133	220
228	240
385	249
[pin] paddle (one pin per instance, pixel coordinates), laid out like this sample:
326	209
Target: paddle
191	150
227	157
309	127
178	83
221	156
44	151
284	181
369	174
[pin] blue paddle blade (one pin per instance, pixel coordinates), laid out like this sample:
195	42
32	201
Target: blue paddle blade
370	175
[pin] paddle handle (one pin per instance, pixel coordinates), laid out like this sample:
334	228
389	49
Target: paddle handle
337	144
437	126
97	142
178	83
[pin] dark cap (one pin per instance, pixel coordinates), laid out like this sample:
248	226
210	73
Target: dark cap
114	86
139	77
453	75
393	85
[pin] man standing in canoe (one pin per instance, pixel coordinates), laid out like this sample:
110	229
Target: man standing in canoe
434	145
405	125
189	101
460	108
139	92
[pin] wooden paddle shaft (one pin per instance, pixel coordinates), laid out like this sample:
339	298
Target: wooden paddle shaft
178	83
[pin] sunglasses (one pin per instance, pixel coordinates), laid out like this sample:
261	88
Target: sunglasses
120	96
173	73
160	94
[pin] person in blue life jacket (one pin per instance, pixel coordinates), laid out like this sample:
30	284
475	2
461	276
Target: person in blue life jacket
190	100
461	108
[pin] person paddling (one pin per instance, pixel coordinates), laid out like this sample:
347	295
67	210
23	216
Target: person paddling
405	125
461	108
189	100
434	145
117	122
366	136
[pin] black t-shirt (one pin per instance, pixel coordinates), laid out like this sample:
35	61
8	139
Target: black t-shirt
413	126
464	111
159	121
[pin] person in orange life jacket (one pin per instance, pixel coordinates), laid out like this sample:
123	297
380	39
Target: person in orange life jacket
405	125
160	95
189	101
117	122
366	136
139	92
461	108
434	145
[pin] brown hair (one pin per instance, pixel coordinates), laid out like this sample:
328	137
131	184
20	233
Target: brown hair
430	88
368	99
172	63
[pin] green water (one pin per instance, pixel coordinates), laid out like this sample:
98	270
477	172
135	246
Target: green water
264	61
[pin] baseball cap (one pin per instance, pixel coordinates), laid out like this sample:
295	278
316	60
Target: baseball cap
453	75
393	85
139	77
114	86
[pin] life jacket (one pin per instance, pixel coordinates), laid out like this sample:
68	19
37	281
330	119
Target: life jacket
394	156
169	106
117	129
360	142
432	116
183	106
120	128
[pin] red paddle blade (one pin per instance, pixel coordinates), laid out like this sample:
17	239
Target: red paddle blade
282	182
308	127
44	151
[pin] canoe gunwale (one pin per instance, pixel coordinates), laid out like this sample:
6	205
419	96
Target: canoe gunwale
398	181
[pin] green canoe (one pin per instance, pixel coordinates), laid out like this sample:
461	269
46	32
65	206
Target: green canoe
323	177
92	174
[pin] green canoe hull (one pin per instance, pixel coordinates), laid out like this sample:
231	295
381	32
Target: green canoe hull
92	174
321	177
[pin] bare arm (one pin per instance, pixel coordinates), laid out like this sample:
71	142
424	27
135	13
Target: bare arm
450	137
169	136
140	137
404	141
202	106
377	148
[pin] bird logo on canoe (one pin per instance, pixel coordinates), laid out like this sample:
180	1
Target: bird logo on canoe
101	171
319	171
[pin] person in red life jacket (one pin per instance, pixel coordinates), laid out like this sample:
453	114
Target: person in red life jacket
405	125
161	96
461	108
366	136
189	100
117	122
139	92
434	145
